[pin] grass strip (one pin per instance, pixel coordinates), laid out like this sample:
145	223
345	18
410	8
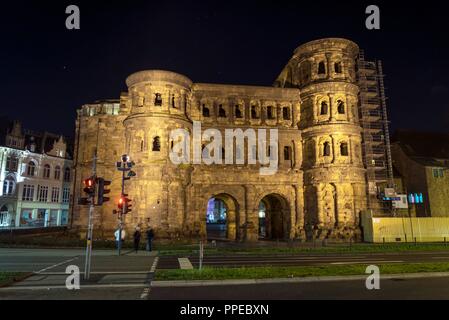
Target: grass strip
8	277
211	273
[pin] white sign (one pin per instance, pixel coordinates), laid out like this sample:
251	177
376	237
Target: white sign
402	203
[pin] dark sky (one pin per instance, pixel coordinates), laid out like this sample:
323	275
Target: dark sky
48	71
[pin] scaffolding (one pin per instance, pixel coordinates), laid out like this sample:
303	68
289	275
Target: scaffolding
375	133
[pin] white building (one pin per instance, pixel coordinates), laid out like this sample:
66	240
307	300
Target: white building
35	175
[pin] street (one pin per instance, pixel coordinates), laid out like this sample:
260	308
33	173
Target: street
130	276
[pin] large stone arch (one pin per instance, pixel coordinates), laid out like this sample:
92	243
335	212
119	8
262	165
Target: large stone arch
234	210
280	208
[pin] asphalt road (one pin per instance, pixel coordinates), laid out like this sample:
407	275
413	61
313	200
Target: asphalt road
403	289
239	260
112	277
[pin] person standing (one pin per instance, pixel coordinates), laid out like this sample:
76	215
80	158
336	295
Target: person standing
119	241
136	239
150	236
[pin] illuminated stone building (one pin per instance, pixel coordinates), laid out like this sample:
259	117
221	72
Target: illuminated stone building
317	192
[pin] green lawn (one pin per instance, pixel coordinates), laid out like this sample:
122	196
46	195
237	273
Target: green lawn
6	277
335	248
289	272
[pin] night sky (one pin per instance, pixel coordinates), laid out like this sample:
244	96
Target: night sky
48	71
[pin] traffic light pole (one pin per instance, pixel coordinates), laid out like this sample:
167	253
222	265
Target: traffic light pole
120	213
90	225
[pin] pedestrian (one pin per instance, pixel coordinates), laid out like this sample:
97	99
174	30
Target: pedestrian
136	237
117	237
150	236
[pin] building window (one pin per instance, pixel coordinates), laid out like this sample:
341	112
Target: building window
47	171
441	173
340	107
8	186
67	174
286	113
57	172
438	173
324	108
156	144
64	217
206	112
321	68
221	112
326	149
254	114
42	192
28	192
270	115
158	99
204	152
66	195
12	163
337	67
173	102
31	168
223	154
55	194
238	113
344	149
287	153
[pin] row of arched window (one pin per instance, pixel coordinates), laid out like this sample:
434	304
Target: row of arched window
287	153
325	108
31	171
322	67
344	150
270	112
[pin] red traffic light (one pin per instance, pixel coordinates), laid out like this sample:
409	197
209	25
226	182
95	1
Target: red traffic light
89	186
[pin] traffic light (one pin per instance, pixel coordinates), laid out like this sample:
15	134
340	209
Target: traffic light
89	186
128	206
124	204
102	190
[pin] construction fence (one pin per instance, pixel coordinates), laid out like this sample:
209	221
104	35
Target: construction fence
404	229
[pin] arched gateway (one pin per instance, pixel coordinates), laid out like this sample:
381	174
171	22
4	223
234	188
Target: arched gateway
222	217
274	217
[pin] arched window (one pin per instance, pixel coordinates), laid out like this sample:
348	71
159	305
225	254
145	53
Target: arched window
221	112
156	144
254	113
204	152
287	153
337	67
47	171
324	108
158	99
223	154
344	149
142	145
31	168
270	114
173	104
8	186
67	174
238	113
57	172
326	149
340	107
321	68
286	113
205	111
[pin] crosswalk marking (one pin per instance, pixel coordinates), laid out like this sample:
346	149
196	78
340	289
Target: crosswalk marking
184	263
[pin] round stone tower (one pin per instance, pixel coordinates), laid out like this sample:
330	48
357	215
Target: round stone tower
334	175
158	103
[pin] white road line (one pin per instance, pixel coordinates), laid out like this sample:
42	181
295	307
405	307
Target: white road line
145	293
86	286
55	265
155	262
365	262
184	263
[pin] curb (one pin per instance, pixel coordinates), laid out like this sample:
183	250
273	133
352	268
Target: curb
16	279
200	283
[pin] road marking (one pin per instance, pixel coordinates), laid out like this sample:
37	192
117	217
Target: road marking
56	265
365	262
145	293
86	286
184	263
153	267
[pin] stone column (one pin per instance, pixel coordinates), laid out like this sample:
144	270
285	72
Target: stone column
329	65
331	107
